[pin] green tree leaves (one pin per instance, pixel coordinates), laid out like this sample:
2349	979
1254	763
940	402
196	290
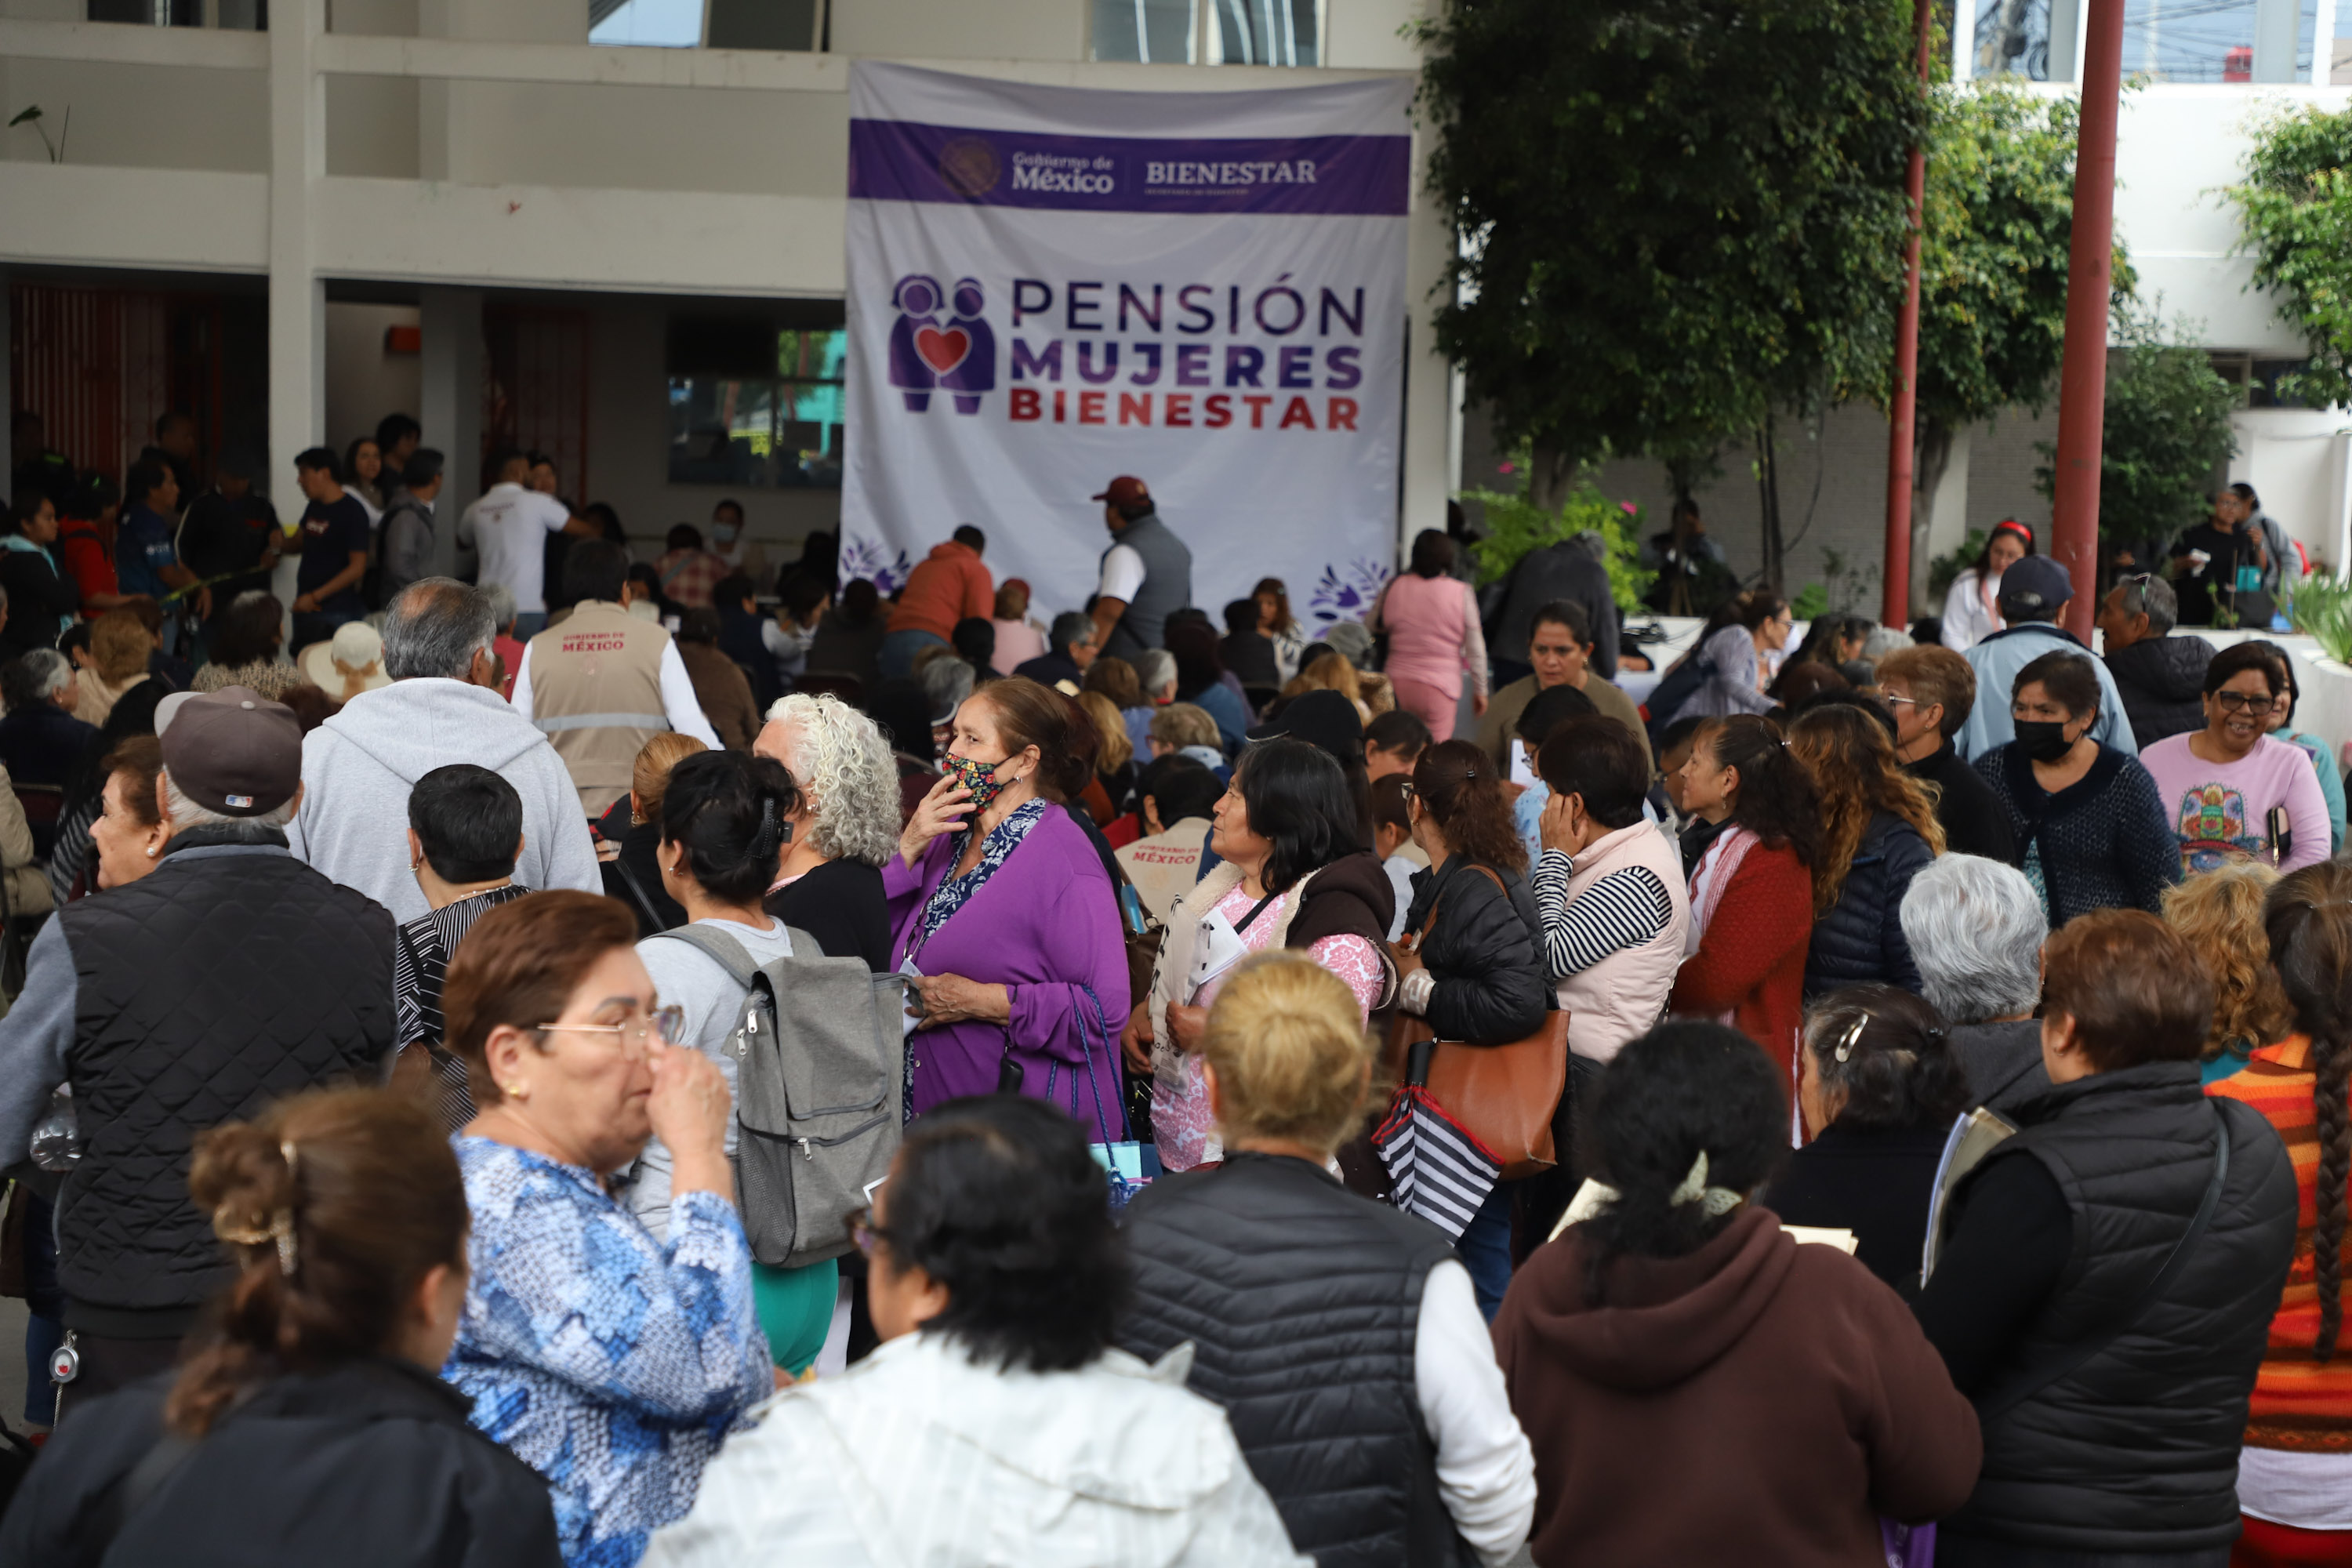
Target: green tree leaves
2295	214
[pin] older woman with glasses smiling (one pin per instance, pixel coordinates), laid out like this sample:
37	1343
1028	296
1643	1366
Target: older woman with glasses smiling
2230	793
609	1362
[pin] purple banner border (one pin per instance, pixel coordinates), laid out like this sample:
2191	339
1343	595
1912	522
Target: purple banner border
898	160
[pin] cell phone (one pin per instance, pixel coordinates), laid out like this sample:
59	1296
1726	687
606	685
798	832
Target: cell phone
2282	836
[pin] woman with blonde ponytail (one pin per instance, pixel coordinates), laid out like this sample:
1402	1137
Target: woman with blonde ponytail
1340	1335
308	1422
2294	1475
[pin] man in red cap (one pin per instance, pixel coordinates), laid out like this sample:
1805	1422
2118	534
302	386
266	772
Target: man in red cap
1147	575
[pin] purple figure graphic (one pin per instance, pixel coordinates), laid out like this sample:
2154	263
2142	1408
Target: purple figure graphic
913	370
976	372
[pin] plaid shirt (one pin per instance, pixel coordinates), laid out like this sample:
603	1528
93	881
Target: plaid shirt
688	576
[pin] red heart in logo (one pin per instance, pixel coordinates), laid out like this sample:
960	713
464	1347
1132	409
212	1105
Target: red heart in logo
942	351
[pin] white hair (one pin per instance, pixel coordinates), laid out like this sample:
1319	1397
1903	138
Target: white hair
187	816
1154	669
1976	928
848	776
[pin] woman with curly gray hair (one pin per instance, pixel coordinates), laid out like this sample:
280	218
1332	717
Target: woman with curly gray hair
829	883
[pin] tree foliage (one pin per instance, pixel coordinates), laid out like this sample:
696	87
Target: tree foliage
1676	213
2295	214
1517	525
2166	430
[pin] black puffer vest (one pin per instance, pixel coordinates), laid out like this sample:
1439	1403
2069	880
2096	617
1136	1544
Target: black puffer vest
1302	1301
229	976
2137	1450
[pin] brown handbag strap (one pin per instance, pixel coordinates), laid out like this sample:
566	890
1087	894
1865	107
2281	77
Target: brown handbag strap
1421	932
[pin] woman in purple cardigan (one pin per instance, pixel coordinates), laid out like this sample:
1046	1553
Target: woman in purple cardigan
1001	909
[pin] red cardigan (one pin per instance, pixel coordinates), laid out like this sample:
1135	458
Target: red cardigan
1751	961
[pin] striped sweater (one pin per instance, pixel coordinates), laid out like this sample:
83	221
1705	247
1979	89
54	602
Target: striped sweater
2299	1404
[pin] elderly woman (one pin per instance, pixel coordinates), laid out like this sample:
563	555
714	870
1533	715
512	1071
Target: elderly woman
120	645
1004	916
2113	1403
996	1400
1674	1316
1878	1085
2220	915
1345	1454
1291	875
1976	928
844	830
2090	829
320	1367
72	863
609	1361
1731	665
2229	792
245	648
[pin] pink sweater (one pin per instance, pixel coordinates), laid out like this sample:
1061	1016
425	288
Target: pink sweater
1433	632
2220	810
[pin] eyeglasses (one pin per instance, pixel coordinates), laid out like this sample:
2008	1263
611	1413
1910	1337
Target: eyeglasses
1404	786
1895	701
2243	702
666	1023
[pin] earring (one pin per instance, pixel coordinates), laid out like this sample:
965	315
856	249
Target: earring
151	852
515	1091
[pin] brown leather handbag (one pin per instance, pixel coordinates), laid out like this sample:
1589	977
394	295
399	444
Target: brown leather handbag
1504	1095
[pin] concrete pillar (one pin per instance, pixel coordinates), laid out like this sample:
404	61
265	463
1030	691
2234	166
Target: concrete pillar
1425	481
2274	39
2066	40
297	152
451	408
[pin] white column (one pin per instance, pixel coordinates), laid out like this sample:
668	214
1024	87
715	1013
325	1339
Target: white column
2323	42
297	152
1425	482
2275	38
451	408
2066	40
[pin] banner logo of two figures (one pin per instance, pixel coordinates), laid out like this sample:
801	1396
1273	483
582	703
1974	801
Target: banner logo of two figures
957	355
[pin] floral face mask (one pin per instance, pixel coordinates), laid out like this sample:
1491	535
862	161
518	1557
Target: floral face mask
978	777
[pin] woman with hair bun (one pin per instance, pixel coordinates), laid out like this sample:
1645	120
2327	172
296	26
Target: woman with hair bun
1004	915
1269	1247
309	1422
2294	1474
1878	1085
1751	895
1674	1317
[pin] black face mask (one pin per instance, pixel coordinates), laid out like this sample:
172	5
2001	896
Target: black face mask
2042	739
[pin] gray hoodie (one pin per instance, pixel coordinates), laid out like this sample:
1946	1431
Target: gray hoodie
358	767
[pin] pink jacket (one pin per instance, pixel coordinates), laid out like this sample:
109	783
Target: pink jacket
1433	632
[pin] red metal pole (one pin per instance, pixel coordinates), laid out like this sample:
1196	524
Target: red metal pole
2082	380
1895	604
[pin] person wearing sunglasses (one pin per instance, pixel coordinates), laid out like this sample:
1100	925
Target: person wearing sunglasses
2161	677
612	1362
2230	792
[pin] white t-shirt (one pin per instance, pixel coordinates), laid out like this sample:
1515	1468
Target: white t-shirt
509	526
693	980
1122	573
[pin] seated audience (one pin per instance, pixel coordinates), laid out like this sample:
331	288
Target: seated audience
1674	1317
1107	793
844	826
464	829
1070	648
1180	728
1249	653
1933	691
1017	641
848	639
41	742
248	639
119	646
72	868
1730	662
310	1423
613	1363
1975	929
1174	797
1878	1085
1401	1459
631	867
720	686
1394	741
2111	1372
996	1395
1200	680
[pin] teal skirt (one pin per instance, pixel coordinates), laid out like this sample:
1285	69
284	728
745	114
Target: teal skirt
795	1307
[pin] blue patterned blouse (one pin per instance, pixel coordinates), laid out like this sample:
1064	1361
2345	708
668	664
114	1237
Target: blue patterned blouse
611	1365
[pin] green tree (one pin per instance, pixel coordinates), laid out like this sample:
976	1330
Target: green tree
2294	215
1992	270
1676	215
2166	430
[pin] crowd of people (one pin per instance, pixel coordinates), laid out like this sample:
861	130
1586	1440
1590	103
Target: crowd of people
694	1062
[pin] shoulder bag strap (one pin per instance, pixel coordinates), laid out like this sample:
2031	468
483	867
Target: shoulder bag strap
637	891
118	1504
720	949
2073	1359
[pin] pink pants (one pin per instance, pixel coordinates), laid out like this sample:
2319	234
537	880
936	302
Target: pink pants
1435	706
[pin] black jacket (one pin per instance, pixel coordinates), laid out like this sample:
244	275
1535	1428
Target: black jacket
41	743
2136	1451
1490	984
1872	1181
842	904
1974	819
1859	939
1302	1302
229	976
2162	682
372	1463
38	595
634	875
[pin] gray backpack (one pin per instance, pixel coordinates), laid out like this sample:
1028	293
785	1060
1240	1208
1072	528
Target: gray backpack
818	1092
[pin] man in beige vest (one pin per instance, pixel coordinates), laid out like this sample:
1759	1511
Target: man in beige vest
603	682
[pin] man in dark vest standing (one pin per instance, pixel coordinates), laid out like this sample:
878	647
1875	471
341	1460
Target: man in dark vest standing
229	975
1146	575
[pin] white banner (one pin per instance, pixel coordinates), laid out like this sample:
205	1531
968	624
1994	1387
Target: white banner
1051	287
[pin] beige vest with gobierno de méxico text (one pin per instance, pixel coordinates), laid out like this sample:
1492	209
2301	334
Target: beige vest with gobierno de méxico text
595	692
